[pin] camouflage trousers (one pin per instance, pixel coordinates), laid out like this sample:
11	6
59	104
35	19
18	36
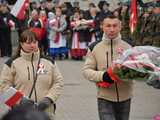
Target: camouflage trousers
147	40
156	41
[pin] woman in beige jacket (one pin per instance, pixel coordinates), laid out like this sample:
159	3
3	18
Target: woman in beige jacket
34	75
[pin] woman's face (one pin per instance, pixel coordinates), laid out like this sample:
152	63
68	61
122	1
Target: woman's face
30	46
93	11
3	8
34	15
58	12
76	16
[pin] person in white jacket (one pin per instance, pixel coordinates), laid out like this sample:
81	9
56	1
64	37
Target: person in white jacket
57	40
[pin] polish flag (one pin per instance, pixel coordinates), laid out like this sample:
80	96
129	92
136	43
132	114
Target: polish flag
10	97
133	15
19	9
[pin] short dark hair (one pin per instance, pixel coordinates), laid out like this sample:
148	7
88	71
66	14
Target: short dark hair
111	17
101	3
92	5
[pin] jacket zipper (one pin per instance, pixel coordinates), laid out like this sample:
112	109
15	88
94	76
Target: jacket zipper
28	73
116	86
34	80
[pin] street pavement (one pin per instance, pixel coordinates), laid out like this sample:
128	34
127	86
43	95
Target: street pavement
78	101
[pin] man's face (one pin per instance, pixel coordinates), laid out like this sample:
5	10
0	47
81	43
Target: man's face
111	27
105	7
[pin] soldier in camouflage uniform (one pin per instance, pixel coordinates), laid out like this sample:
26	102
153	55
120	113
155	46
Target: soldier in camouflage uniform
156	25
146	29
124	16
150	28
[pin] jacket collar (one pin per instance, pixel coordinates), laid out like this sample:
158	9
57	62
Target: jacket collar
30	56
108	40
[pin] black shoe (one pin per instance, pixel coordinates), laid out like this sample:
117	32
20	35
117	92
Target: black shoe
66	56
73	58
62	56
80	58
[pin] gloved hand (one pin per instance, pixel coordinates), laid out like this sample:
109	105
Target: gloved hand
45	103
26	101
107	78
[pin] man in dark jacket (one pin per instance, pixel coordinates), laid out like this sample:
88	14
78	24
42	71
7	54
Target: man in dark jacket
104	9
6	23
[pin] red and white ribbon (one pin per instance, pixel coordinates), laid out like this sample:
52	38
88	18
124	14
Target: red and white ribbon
40	68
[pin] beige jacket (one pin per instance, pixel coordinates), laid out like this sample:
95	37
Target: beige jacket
19	72
96	64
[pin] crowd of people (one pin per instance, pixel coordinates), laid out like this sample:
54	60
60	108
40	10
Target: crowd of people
66	30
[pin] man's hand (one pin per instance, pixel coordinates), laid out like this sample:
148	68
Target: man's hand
107	78
107	81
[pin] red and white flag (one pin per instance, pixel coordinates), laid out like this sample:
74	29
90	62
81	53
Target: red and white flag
133	15
19	9
8	99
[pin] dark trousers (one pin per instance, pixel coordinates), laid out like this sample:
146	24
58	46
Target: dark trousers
5	41
109	110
